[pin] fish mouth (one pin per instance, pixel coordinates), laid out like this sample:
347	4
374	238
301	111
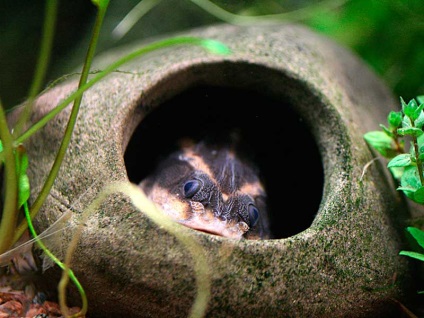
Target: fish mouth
216	226
208	232
202	219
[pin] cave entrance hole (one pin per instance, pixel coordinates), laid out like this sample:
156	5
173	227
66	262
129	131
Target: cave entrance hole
281	146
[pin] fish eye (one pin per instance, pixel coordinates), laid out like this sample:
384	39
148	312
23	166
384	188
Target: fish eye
191	187
253	214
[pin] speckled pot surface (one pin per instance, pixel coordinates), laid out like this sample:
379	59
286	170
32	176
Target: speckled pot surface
337	257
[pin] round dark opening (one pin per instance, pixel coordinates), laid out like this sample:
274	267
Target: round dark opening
278	140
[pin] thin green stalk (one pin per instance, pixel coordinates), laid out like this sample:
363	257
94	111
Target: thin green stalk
211	45
417	157
295	15
398	146
418	160
133	17
69	272
35	207
143	204
10	184
301	14
42	62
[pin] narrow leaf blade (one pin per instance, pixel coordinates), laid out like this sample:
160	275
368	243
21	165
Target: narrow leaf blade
417	234
415	255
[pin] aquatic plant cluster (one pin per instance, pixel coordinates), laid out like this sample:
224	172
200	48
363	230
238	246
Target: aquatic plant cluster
406	166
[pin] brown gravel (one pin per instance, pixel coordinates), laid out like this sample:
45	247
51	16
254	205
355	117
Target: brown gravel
18	298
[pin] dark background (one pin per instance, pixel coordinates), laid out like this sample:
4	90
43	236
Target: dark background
387	34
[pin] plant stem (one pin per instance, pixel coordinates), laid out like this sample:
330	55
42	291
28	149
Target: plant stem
57	261
417	154
133	17
399	148
295	15
418	160
42	62
10	184
35	207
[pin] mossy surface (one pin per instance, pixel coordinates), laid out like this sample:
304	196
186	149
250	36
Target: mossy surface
342	265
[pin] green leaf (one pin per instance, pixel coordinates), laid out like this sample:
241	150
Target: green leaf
387	131
420	141
410	182
410	109
413	103
418	111
381	142
100	3
410	178
401	160
417	234
394	119
21	171
416	195
24	190
1	153
215	47
406	190
412	152
413	255
419	195
397	172
403	104
420	99
420	144
419	122
410	131
406	122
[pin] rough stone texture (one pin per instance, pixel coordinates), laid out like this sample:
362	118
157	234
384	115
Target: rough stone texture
345	264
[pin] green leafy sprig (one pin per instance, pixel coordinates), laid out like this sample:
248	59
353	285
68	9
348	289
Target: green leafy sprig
406	167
